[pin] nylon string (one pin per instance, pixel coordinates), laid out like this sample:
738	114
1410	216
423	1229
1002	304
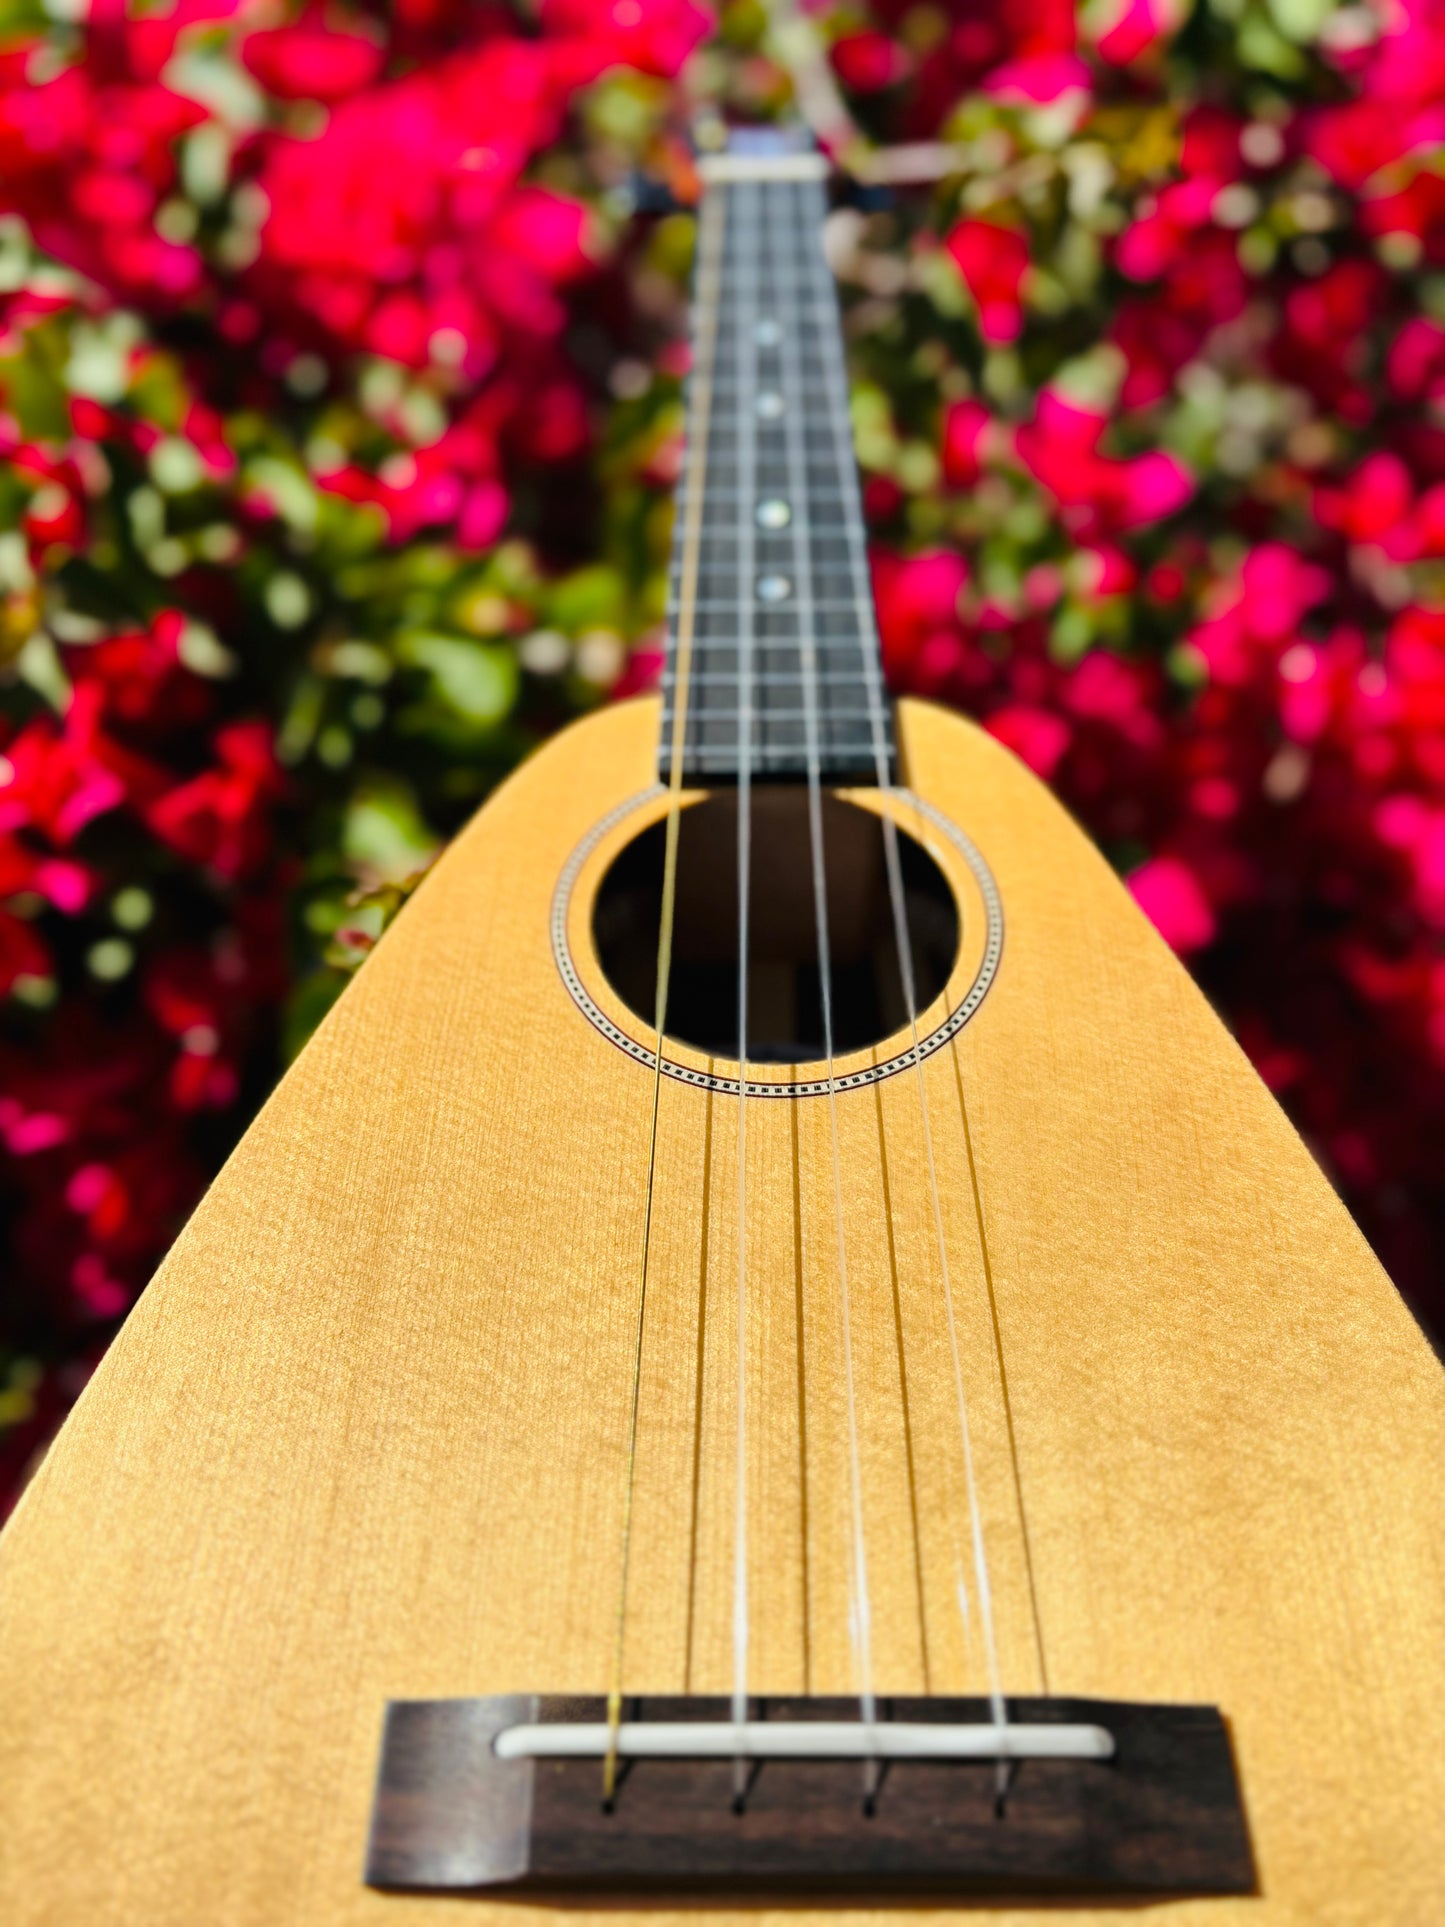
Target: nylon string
866	635
862	1612
711	222
745	322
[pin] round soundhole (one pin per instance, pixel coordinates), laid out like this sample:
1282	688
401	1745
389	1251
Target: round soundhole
785	1004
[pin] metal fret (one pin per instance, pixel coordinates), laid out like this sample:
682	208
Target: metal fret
764	588
729	605
724	680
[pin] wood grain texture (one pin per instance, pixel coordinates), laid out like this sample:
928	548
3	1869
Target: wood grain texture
362	1438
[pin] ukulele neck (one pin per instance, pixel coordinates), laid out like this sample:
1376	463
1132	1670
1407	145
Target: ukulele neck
772	651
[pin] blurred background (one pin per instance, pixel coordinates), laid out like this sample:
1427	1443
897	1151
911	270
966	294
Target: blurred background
340	408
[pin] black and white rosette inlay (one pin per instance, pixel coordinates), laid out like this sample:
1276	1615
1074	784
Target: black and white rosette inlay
761	1086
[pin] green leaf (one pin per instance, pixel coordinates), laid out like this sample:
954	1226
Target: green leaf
477	681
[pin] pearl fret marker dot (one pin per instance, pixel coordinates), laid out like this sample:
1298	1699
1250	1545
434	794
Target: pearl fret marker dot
767	334
774	588
773	514
770	405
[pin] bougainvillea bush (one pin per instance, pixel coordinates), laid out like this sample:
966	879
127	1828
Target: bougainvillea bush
339	410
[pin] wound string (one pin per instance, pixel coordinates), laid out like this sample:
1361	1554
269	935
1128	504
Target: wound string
705	308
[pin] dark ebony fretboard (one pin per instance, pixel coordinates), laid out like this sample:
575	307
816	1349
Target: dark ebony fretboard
784	643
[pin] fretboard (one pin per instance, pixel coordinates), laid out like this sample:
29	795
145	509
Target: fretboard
784	660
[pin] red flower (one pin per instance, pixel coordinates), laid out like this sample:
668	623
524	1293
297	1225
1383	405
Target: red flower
22	952
992	259
965	424
868	62
221	817
432	260
655	36
312	61
1060	447
1037	736
56	781
1169	894
917	600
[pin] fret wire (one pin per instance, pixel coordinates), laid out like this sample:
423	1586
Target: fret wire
750	458
715	605
761	679
785	715
725	497
858	752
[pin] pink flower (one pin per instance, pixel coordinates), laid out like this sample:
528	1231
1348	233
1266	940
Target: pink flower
1169	894
28	1132
1416	210
1321	346
436	259
1136	27
992	258
1037	737
310	60
87	157
1060	448
1276	588
1429	525
869	61
965	424
1039	79
1102	570
655	36
1122	695
917	597
1156	343
1159	238
22	952
1415	367
56	781
219	818
1258	614
1152	486
1372	504
1211	144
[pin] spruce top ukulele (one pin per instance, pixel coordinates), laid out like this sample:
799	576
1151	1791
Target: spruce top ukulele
903	1417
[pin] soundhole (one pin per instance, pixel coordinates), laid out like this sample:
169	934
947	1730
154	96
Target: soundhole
785	1006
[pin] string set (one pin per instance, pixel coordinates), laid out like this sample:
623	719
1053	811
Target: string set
770	298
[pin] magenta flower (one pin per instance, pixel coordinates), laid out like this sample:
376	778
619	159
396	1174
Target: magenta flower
655	36
221	817
1039	79
1036	736
436	260
1060	448
965	424
992	258
917	600
1373	504
311	60
869	62
1169	894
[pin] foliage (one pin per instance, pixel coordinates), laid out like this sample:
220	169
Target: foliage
340	411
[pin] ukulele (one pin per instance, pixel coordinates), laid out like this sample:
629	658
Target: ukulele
771	1350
